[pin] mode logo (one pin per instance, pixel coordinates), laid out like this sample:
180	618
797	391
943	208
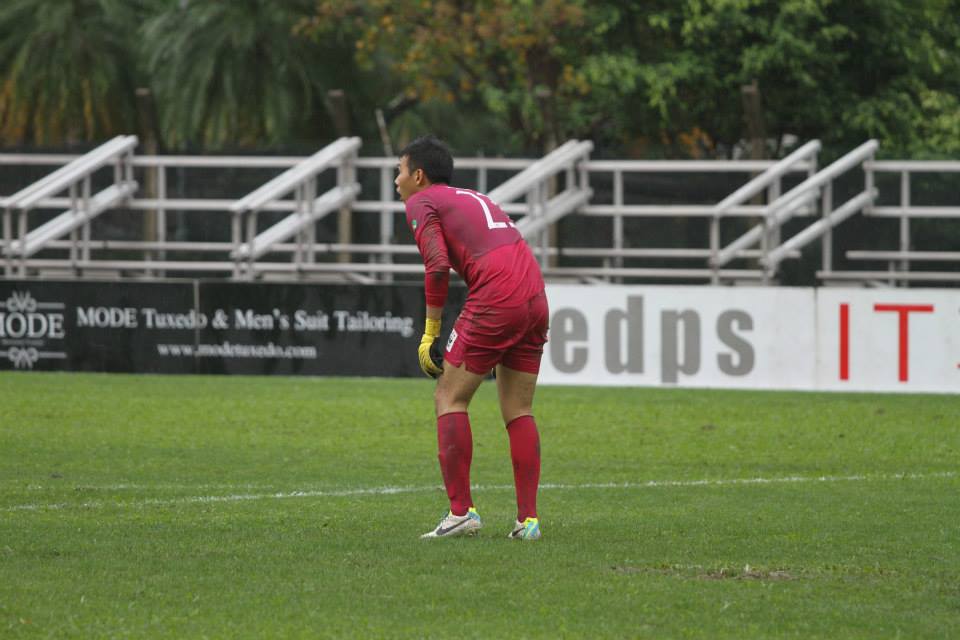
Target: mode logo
25	327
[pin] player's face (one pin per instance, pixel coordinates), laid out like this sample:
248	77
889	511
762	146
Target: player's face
407	183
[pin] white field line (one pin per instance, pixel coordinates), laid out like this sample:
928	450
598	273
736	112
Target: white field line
386	491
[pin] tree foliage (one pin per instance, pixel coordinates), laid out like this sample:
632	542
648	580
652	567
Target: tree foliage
230	73
828	69
65	70
671	72
543	68
501	75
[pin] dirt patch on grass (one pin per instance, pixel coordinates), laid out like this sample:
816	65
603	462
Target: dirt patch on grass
699	572
627	569
747	573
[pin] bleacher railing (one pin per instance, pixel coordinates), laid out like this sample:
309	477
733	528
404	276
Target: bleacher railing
75	178
798	199
540	194
308	208
899	259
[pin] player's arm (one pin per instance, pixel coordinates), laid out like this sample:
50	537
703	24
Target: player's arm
436	283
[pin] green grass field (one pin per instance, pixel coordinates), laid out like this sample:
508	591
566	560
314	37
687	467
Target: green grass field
235	507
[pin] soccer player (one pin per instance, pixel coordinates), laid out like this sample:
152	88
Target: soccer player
503	324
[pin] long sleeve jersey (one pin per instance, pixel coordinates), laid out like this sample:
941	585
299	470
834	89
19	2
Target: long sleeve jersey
465	230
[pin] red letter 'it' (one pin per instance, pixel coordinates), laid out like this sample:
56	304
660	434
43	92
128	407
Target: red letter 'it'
904	311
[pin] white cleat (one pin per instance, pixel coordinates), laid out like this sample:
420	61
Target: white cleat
529	529
451	525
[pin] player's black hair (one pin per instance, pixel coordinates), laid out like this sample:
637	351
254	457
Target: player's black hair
432	155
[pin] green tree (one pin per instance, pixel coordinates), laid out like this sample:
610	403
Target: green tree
828	69
65	70
229	74
523	74
669	72
541	68
907	93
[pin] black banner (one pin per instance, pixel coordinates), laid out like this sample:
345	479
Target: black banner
193	326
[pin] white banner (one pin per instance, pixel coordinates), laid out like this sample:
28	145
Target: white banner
759	338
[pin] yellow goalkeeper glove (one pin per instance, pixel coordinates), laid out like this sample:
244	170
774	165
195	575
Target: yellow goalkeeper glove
431	358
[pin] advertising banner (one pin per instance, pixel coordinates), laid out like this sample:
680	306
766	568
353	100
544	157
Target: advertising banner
904	340
685	336
213	327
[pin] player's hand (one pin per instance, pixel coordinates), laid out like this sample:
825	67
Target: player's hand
429	353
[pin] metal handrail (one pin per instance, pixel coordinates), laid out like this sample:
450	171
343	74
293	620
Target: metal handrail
300	179
818	228
297	175
807	152
374	162
783	208
924	166
518	208
925	256
404	249
915	211
554	209
291	225
755	234
558	159
71	219
905	212
625	257
62	178
879	277
84	206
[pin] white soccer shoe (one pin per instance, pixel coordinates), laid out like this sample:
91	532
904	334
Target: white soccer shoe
529	529
451	525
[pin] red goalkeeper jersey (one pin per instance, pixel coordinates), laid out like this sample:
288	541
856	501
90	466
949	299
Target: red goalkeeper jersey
467	231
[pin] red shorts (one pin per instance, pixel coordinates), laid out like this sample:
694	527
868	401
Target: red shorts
485	336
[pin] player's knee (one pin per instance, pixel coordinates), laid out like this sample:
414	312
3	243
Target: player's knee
439	399
509	413
449	401
444	400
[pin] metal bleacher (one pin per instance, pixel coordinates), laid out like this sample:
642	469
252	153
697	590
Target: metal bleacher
84	206
309	209
285	228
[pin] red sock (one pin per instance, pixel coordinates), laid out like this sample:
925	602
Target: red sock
455	445
525	453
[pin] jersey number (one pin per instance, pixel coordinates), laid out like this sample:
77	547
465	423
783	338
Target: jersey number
491	223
